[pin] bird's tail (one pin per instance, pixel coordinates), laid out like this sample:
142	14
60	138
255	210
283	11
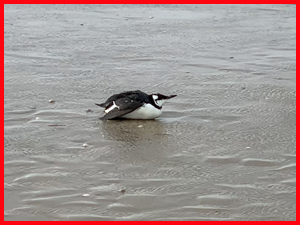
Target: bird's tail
101	105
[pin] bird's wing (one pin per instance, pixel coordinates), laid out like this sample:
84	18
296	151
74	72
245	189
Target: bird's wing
115	114
114	97
121	107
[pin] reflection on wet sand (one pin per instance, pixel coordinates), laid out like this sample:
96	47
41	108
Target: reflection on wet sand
133	131
136	140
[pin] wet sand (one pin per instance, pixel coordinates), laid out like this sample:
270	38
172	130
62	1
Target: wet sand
224	148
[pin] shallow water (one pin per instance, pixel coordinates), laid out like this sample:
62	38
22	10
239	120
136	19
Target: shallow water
224	148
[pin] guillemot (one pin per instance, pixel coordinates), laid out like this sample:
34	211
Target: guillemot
134	105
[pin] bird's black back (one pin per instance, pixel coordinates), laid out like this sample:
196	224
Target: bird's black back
131	95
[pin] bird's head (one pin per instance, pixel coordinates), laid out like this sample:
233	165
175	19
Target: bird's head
160	99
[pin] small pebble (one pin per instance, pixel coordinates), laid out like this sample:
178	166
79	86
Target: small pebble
123	191
37	118
81	24
88	110
85	145
248	147
140	125
151	17
51	101
86	195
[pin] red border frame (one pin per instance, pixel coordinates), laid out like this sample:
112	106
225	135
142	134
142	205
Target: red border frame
152	2
135	2
297	120
2	100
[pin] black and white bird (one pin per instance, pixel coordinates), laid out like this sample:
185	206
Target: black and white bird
134	105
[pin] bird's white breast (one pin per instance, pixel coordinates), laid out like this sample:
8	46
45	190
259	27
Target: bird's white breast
146	112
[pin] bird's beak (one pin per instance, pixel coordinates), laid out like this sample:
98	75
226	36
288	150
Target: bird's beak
171	96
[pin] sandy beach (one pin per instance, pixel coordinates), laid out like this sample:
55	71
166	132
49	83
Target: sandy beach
223	149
